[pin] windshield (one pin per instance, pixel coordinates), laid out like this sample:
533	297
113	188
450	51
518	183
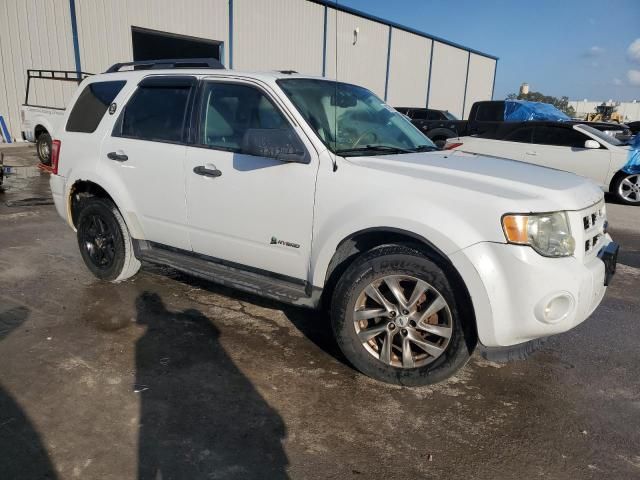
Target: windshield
450	116
350	120
603	137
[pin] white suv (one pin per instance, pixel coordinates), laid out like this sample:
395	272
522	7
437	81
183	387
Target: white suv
317	193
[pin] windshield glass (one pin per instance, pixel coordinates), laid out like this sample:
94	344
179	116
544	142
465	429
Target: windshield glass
350	120
450	116
602	136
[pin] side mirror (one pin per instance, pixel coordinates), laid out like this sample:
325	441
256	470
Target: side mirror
591	144
278	143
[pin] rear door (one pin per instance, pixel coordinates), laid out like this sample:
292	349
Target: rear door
562	147
146	150
513	145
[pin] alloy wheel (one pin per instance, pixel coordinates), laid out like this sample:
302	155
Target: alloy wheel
403	321
629	188
99	241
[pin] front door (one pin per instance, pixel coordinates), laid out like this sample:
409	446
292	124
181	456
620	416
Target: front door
250	210
562	148
146	151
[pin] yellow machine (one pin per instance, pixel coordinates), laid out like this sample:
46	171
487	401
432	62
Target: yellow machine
605	113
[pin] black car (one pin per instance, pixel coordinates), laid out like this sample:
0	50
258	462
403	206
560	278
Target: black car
438	125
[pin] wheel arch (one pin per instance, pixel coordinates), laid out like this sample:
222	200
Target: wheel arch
359	242
441	132
39	130
82	188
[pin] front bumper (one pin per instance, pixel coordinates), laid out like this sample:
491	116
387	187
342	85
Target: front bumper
519	295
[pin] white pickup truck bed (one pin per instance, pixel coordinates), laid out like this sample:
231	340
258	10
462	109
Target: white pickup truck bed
41	117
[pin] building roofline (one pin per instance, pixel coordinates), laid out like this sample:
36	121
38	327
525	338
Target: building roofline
360	13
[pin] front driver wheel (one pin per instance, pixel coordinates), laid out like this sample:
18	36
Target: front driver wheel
104	241
396	318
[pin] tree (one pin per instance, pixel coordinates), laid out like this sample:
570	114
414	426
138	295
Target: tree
561	103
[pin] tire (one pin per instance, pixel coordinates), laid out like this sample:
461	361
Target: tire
43	147
104	241
440	142
405	265
626	188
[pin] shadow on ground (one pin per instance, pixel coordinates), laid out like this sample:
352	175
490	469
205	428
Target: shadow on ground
200	416
22	453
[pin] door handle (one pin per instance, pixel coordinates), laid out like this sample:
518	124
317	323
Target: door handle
533	154
118	157
207	172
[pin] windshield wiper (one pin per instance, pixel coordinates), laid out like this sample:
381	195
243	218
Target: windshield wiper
375	148
425	148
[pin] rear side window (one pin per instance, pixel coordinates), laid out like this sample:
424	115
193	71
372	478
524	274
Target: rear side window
559	136
89	109
490	112
418	115
157	111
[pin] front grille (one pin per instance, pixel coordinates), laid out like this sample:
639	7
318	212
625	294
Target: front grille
593	222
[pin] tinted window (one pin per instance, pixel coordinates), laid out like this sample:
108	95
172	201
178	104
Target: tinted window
418	115
522	135
559	136
229	110
490	112
156	111
91	105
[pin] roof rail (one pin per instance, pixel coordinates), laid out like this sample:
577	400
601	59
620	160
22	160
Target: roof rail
168	63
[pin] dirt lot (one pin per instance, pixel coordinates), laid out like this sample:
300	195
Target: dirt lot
167	377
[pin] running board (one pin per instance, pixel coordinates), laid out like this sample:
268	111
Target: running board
247	279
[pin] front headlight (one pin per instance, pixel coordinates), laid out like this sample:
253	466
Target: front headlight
547	233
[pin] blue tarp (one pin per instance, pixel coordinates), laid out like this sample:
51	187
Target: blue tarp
633	164
524	111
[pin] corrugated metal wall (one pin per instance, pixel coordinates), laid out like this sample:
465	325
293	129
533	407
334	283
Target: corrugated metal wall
278	35
409	65
480	82
448	78
33	34
361	58
104	26
301	35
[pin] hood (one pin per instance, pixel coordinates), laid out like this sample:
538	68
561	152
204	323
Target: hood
528	187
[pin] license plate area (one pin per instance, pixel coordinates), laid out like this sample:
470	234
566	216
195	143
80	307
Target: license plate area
609	256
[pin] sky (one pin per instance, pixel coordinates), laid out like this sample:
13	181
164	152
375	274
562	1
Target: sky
575	48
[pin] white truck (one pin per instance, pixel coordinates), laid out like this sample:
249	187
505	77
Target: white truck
316	193
39	122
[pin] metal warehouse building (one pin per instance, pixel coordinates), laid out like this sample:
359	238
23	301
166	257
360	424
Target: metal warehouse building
406	67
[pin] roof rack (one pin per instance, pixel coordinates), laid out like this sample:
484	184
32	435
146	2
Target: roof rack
168	63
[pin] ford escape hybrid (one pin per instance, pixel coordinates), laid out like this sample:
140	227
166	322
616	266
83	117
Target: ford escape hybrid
318	194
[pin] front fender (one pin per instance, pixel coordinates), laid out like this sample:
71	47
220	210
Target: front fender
434	223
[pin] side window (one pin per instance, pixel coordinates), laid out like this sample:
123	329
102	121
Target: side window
490	112
559	136
228	111
521	135
157	111
418	115
434	115
91	105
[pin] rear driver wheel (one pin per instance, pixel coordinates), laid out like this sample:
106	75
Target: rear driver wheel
104	241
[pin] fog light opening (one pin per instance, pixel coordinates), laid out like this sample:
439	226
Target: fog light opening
557	308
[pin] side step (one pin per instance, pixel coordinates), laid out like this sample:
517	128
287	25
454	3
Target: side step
247	279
